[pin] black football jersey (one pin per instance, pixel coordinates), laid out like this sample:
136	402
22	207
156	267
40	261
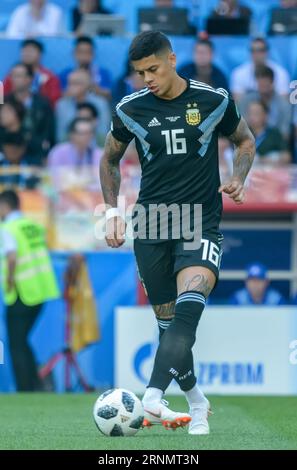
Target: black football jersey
177	144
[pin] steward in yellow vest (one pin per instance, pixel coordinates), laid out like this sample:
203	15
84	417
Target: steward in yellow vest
34	279
27	280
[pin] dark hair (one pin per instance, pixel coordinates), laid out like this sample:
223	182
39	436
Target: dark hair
205	42
16	139
84	40
17	106
90	107
75	122
29	68
34	43
262	71
262	104
262	40
10	198
148	43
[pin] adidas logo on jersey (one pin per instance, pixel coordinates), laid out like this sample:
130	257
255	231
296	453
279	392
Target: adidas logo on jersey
154	122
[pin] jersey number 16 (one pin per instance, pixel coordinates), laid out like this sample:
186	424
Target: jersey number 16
174	144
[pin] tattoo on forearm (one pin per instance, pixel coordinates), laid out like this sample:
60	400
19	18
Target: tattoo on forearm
242	163
199	283
110	175
244	152
110	182
164	311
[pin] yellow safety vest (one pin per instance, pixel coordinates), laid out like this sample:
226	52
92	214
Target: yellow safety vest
34	276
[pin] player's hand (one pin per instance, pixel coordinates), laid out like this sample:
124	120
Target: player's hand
235	190
115	232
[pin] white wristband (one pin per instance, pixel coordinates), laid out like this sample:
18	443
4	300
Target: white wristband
112	212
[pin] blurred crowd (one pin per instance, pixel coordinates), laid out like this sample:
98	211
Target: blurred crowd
50	121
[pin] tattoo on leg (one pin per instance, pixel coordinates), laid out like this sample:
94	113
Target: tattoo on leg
199	283
165	311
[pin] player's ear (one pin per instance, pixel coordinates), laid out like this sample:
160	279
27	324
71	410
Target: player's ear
172	59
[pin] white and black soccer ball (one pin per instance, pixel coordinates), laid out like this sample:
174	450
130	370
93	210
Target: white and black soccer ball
118	412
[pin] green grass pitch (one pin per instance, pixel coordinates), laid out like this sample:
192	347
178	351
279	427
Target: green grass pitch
48	421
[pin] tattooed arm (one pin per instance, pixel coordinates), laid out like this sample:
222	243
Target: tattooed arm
243	158
110	178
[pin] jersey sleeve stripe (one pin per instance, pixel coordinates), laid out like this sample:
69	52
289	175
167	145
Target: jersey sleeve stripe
137	130
131	97
203	86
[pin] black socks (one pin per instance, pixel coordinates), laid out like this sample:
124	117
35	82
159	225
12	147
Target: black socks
174	357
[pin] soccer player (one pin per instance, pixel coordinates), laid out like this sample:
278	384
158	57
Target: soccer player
175	123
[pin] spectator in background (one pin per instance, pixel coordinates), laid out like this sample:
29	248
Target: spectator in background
202	67
257	290
279	107
90	112
36	18
231	9
13	147
12	114
77	92
44	81
243	78
38	124
76	162
271	147
84	52
129	82
86	7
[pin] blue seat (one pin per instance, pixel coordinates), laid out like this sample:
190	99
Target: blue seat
4	18
7	6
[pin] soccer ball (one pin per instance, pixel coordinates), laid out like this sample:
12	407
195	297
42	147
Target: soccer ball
118	412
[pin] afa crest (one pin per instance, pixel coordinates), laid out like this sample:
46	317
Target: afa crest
193	116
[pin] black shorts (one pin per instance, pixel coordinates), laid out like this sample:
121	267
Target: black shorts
159	263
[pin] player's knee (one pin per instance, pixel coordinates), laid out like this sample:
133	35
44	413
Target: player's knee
201	280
